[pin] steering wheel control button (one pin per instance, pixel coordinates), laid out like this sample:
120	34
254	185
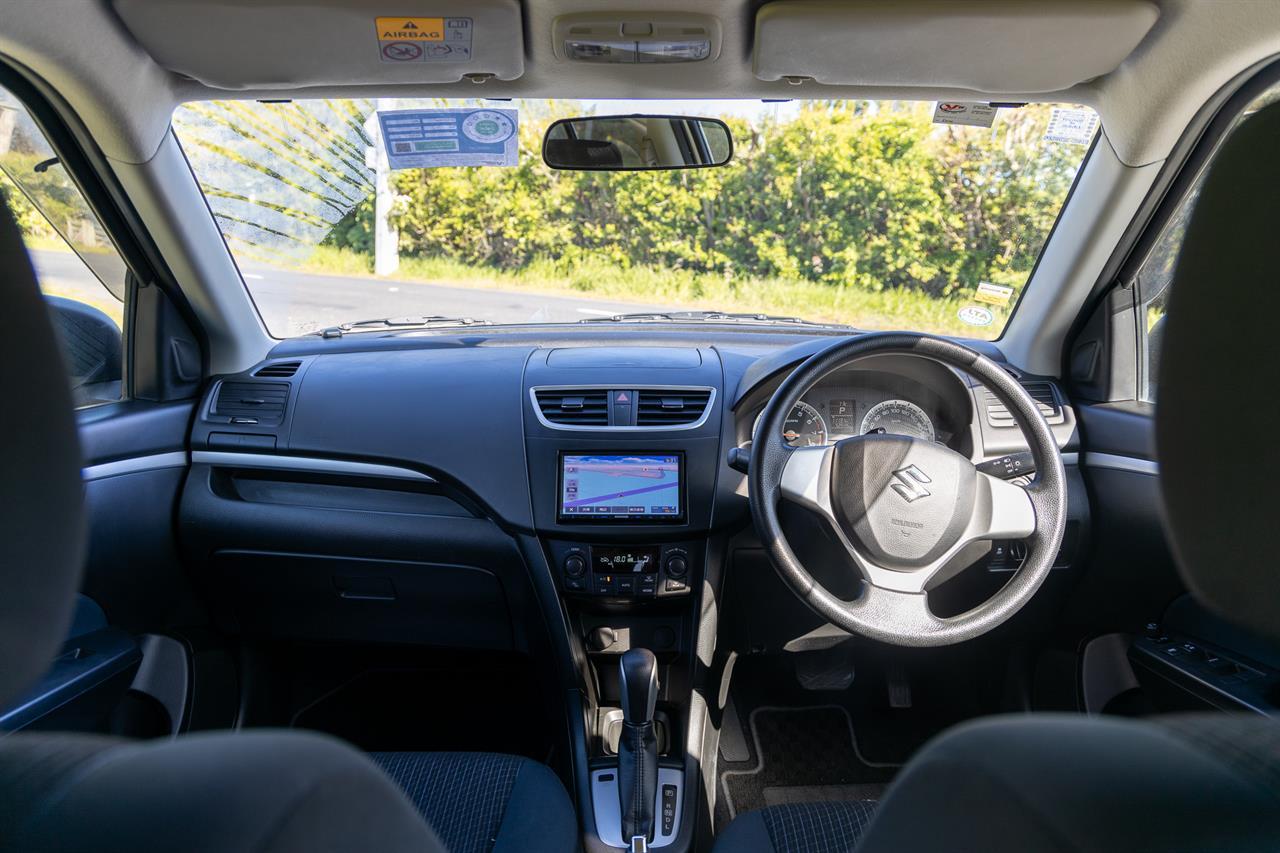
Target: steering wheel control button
1007	467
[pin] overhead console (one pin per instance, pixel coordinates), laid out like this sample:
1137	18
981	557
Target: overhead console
288	46
980	46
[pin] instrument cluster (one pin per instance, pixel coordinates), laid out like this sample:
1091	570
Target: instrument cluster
853	403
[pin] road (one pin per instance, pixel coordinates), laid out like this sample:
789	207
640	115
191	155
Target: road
293	303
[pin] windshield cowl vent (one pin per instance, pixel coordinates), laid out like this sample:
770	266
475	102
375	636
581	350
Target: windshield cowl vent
998	414
279	369
662	408
574	407
250	403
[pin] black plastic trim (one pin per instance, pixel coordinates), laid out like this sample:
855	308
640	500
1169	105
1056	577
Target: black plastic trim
85	663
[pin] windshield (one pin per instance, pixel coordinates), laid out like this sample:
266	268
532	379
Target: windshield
875	215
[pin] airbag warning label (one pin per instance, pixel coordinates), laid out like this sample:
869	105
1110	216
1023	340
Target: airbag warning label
424	39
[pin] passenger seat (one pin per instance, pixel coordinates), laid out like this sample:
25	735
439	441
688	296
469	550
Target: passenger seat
264	791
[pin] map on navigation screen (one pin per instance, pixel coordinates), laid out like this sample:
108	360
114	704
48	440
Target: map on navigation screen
639	486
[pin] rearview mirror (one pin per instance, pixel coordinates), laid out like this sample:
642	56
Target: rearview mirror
637	142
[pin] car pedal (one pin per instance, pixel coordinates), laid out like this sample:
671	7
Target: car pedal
899	688
825	670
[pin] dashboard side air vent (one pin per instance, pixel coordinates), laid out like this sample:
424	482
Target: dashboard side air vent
253	403
574	406
667	408
279	369
1042	392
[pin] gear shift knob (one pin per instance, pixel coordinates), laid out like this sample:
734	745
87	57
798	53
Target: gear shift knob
639	685
638	748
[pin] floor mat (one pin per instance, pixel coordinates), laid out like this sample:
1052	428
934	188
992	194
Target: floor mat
823	793
804	754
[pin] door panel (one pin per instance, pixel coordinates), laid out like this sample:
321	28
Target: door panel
135	464
1131	577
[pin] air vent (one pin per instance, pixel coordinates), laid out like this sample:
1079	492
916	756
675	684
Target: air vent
252	403
1042	392
574	407
659	408
280	369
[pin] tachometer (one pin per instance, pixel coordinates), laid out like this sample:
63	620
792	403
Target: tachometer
804	427
898	417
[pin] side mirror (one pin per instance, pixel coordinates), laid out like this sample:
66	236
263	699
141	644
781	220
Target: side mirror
637	143
92	347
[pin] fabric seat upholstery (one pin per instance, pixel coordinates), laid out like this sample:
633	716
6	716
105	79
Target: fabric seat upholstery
485	803
267	792
824	827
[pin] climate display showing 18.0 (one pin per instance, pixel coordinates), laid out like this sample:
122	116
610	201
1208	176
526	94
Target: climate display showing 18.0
616	486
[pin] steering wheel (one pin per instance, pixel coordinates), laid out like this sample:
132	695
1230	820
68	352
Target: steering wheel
909	512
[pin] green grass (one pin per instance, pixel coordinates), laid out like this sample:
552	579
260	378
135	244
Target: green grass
682	289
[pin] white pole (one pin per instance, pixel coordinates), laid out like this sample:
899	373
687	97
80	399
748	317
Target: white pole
386	239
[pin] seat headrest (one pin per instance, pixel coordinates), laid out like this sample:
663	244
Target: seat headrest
42	522
1218	400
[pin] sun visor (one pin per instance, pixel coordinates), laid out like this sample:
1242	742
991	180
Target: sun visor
992	46
249	44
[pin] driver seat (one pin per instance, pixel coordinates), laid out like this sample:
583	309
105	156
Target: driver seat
1041	783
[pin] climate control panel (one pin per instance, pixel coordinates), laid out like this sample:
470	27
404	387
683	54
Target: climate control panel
624	571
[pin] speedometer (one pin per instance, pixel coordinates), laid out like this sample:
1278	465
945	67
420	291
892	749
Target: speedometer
898	417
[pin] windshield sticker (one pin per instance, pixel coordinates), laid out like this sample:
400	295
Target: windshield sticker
430	139
993	294
971	113
424	39
975	315
1073	127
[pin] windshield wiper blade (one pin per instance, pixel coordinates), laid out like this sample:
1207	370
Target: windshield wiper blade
753	317
709	317
634	317
401	323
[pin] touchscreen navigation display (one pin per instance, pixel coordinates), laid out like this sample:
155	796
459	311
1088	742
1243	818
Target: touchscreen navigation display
635	486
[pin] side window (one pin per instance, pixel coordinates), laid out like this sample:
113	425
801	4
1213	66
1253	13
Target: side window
1156	272
1152	290
81	275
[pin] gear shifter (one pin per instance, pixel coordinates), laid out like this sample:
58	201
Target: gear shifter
638	748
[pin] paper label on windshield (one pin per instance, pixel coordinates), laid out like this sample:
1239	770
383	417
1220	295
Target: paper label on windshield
993	294
410	39
1074	127
431	139
971	113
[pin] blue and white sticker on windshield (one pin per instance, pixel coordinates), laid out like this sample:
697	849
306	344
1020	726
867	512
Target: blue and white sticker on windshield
430	139
975	315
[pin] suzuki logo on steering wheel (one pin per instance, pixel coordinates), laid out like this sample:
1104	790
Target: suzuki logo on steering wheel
910	485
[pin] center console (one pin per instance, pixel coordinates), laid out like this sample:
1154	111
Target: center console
623	449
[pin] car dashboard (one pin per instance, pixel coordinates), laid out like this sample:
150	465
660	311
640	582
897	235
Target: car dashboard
564	494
